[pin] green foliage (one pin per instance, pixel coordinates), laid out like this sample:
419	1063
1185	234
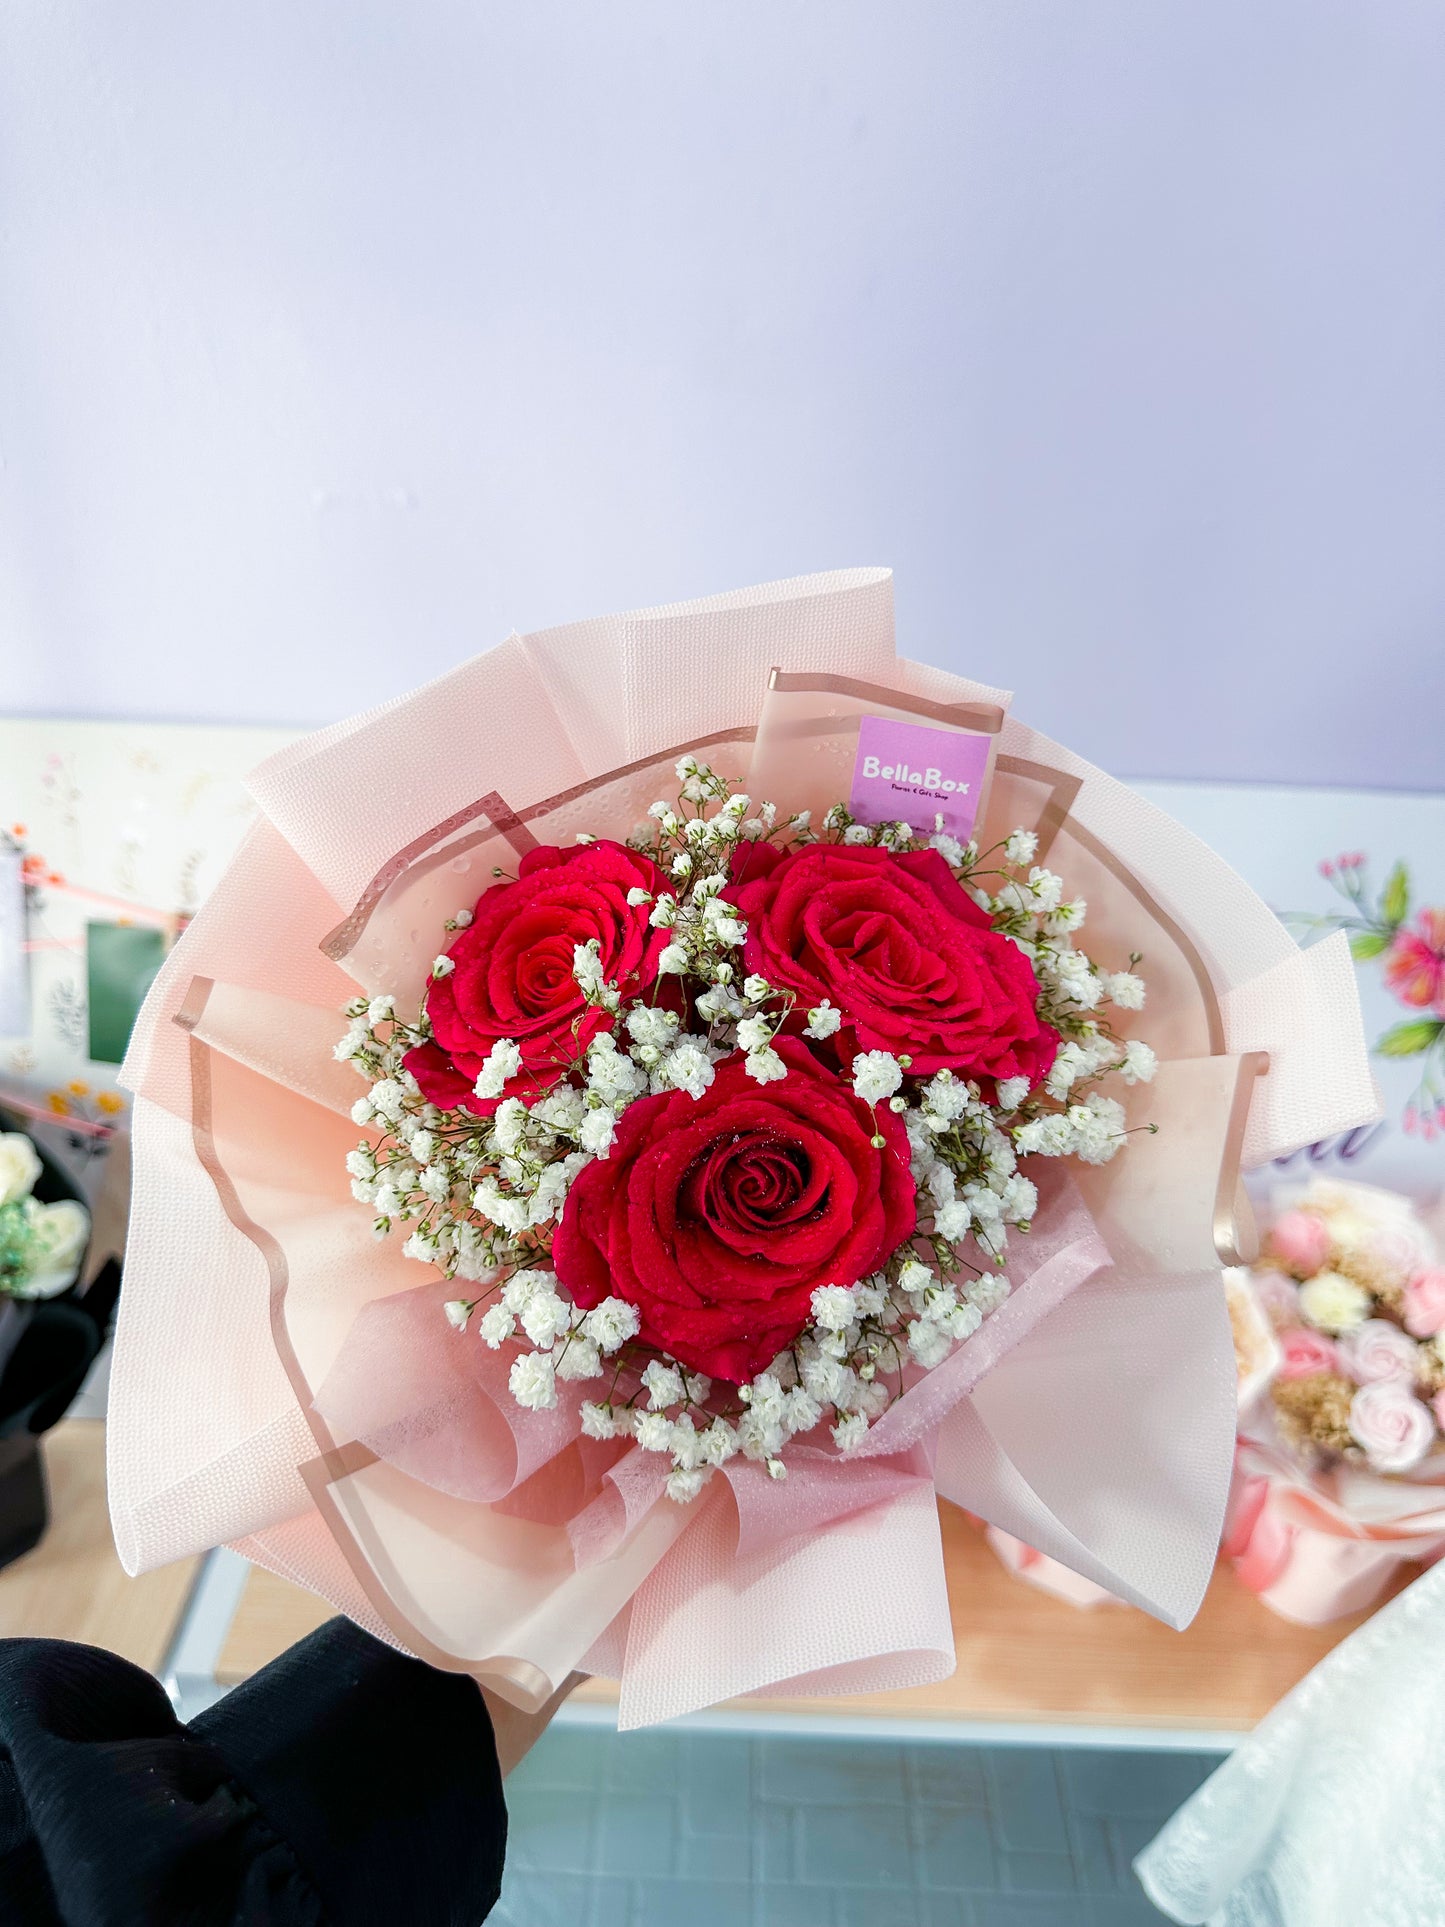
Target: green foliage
1412	1037
16	1238
1395	897
1365	944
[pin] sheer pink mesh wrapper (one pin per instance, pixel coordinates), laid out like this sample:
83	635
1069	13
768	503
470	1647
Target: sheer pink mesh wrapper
285	1384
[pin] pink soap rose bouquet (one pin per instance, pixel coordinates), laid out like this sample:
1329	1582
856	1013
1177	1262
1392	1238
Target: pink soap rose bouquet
1351	1284
1339	1465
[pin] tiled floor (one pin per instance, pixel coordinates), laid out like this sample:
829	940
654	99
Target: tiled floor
703	1830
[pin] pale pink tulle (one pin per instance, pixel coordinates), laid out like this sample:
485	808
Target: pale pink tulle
284	1383
436	1406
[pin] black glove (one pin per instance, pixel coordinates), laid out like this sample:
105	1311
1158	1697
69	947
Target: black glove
344	1784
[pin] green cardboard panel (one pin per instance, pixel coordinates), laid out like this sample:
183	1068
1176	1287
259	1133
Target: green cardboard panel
121	961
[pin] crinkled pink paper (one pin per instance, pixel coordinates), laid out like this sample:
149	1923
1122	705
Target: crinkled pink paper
284	1383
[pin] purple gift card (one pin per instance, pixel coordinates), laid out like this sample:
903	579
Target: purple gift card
907	772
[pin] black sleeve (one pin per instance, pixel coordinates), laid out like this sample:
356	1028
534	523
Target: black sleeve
344	1785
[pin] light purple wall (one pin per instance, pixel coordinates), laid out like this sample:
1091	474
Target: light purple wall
338	339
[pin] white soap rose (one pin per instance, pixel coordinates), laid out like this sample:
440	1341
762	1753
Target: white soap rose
19	1166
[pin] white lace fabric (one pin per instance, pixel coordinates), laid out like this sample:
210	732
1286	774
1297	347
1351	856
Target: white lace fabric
1332	1813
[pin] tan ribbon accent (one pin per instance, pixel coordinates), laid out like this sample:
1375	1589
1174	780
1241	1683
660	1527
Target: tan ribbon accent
1062	792
500	820
1236	1236
985	717
339	942
1054	817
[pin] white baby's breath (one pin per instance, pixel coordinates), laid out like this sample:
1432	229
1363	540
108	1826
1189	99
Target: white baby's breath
1138	1064
823	1021
833	1308
612	1323
876	1074
497	1326
765	1066
579	1358
532	1381
500	1065
1126	990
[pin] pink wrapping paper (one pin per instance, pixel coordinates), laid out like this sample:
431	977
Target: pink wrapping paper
1316	1548
285	1384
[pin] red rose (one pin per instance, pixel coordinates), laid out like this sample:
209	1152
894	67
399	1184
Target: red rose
718	1217
900	948
749	861
512	969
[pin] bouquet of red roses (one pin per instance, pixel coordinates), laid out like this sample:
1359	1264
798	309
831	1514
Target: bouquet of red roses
724	1123
751	1146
